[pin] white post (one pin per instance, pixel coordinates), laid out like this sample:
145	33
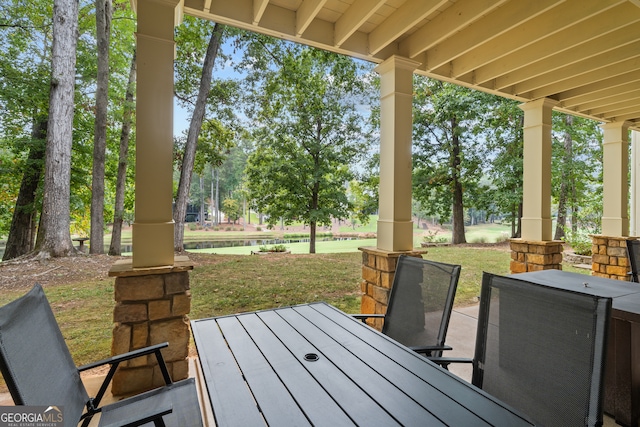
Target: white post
635	185
615	187
395	227
536	197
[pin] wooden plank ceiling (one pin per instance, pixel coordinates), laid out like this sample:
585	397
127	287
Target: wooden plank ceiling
583	53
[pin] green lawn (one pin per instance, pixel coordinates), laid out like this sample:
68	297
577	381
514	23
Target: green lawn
327	247
232	282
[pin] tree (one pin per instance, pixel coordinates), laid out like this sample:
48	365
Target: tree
504	137
566	184
577	173
25	73
103	35
118	210
54	238
231	209
22	232
364	202
308	133
25	79
192	137
447	159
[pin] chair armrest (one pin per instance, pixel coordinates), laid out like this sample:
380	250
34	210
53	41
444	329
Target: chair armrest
93	404
445	361
429	348
124	356
364	317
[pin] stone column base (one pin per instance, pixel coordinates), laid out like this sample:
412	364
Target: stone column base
609	257
378	270
151	308
530	255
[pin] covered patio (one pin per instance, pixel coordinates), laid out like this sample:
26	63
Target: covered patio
580	57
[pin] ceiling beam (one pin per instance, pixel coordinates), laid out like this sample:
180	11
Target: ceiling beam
629	104
400	21
573	37
598	98
489	27
625	118
574	59
608	101
452	20
624	71
307	11
615	113
353	18
258	9
540	27
224	12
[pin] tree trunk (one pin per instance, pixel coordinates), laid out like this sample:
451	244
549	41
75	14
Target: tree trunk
312	237
54	238
21	238
103	34
567	164
121	181
201	200
192	137
458	205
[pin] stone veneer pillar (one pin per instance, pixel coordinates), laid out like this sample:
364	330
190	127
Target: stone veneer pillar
151	307
532	255
378	270
609	257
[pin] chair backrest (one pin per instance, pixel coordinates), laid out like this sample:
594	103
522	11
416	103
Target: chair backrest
420	302
34	358
633	249
542	350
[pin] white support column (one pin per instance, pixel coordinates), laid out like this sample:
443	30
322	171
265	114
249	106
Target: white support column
153	225
615	187
536	197
635	183
395	226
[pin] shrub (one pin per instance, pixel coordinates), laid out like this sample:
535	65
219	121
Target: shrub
579	241
504	237
274	248
192	226
480	239
430	236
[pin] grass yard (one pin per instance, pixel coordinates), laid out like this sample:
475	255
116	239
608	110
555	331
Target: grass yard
224	284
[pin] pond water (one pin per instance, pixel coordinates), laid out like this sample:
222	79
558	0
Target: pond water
211	244
208	244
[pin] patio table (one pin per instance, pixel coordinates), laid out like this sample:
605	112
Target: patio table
622	371
315	365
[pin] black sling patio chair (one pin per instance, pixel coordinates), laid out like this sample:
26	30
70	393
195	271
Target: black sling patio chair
420	304
633	249
39	371
541	350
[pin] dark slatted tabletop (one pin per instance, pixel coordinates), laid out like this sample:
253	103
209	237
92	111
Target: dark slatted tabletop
314	365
